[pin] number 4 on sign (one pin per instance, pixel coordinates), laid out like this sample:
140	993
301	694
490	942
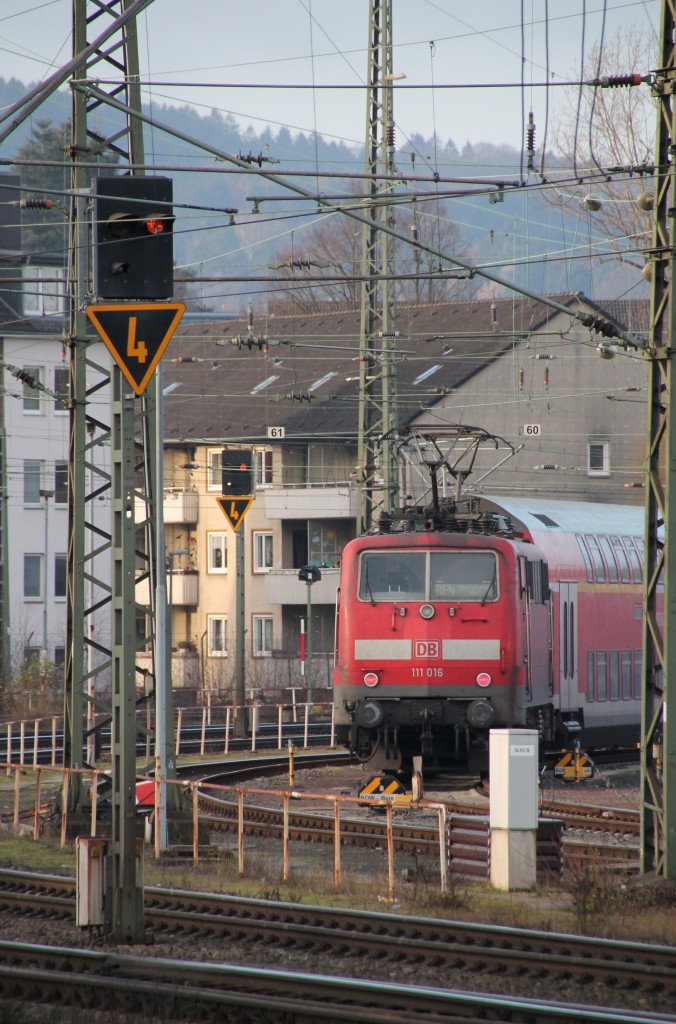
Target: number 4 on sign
135	349
234	510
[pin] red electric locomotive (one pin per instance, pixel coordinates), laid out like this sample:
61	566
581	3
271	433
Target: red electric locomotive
485	613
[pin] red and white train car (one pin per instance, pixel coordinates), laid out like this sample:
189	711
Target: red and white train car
502	612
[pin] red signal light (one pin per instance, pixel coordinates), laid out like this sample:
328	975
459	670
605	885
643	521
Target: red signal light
155	225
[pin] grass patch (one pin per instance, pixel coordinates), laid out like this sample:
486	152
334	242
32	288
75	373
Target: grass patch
639	909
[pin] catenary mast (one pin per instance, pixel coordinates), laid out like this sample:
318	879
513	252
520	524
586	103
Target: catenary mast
658	729
376	458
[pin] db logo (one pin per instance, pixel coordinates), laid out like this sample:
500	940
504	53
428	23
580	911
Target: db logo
426	649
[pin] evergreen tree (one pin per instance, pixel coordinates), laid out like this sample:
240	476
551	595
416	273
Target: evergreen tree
45	174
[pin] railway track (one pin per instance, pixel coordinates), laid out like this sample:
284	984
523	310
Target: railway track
187	990
408	837
619	971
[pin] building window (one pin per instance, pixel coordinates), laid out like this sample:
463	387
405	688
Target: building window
45	292
214	470
217	626
31	654
263	468
60	483
61	387
32	477
60	656
262	636
598	458
32	576
60	564
31	397
218	552
262	550
326	543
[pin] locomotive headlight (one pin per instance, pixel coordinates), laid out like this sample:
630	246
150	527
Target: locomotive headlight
371	679
483	679
427	611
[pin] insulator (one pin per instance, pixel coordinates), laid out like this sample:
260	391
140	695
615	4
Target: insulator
25	377
615	81
646	201
250	317
35	204
414	232
543	355
521	378
601	326
546	380
494	312
592	202
530	141
186	359
390	135
548	465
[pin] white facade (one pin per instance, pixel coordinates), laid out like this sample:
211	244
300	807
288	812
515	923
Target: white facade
36	428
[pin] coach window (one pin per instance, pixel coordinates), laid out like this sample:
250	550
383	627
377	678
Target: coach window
610	561
590	676
638	673
601	675
599	564
634	560
626	675
621	556
585	556
614	675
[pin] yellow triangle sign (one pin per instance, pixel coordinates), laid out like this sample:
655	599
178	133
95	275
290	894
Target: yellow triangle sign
136	335
234	510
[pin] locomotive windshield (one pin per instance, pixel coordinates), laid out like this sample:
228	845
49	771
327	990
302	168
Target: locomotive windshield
428	576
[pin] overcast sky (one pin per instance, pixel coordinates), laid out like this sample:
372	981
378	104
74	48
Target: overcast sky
241	43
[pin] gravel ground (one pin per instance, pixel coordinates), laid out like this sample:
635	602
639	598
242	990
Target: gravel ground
608	789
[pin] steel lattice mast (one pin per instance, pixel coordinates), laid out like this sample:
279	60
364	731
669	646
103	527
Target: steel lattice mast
377	376
658	729
131	479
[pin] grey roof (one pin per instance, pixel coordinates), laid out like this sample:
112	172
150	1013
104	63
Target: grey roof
231	380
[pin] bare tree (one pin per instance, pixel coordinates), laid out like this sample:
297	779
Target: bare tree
333	249
611	130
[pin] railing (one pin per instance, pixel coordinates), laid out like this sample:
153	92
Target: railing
40	741
32	813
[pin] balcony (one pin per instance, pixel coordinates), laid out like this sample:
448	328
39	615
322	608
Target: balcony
310	503
182	589
282	586
181	507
